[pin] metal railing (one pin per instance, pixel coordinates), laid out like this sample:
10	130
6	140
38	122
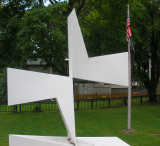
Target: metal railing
79	104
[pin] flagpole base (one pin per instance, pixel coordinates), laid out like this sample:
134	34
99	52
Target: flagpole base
128	131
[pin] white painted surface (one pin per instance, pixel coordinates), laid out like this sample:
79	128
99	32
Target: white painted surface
23	140
111	69
28	86
103	141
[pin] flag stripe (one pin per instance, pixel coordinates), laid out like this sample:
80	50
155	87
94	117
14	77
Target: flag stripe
128	31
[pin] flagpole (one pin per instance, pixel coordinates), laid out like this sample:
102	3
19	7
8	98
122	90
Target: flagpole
129	83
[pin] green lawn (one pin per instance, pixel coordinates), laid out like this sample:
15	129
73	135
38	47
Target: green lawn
99	122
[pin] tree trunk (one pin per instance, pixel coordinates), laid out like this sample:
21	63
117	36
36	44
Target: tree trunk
154	62
152	94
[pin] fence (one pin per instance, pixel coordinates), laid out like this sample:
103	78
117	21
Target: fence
79	104
109	95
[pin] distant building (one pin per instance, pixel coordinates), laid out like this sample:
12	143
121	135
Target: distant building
119	89
91	88
38	66
83	88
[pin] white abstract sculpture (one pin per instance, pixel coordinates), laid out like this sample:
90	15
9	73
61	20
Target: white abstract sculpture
27	86
108	69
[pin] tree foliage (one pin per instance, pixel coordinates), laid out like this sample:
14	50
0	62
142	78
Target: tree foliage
31	30
146	30
77	4
3	86
104	29
11	14
43	34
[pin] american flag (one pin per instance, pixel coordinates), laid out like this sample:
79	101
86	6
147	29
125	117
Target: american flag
129	38
129	32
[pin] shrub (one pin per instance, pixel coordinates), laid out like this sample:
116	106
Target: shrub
3	86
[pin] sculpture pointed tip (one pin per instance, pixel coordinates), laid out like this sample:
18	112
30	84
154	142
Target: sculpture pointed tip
73	12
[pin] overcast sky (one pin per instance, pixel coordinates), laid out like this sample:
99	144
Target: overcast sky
47	2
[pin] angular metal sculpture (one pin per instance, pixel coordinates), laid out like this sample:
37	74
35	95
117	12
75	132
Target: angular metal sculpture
27	86
107	69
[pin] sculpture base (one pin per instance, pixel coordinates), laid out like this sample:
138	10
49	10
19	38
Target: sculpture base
24	140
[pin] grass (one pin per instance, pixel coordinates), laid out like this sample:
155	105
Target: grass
99	122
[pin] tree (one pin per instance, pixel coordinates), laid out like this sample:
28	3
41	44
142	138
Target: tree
146	30
11	13
17	25
104	29
3	86
78	5
43	34
29	31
